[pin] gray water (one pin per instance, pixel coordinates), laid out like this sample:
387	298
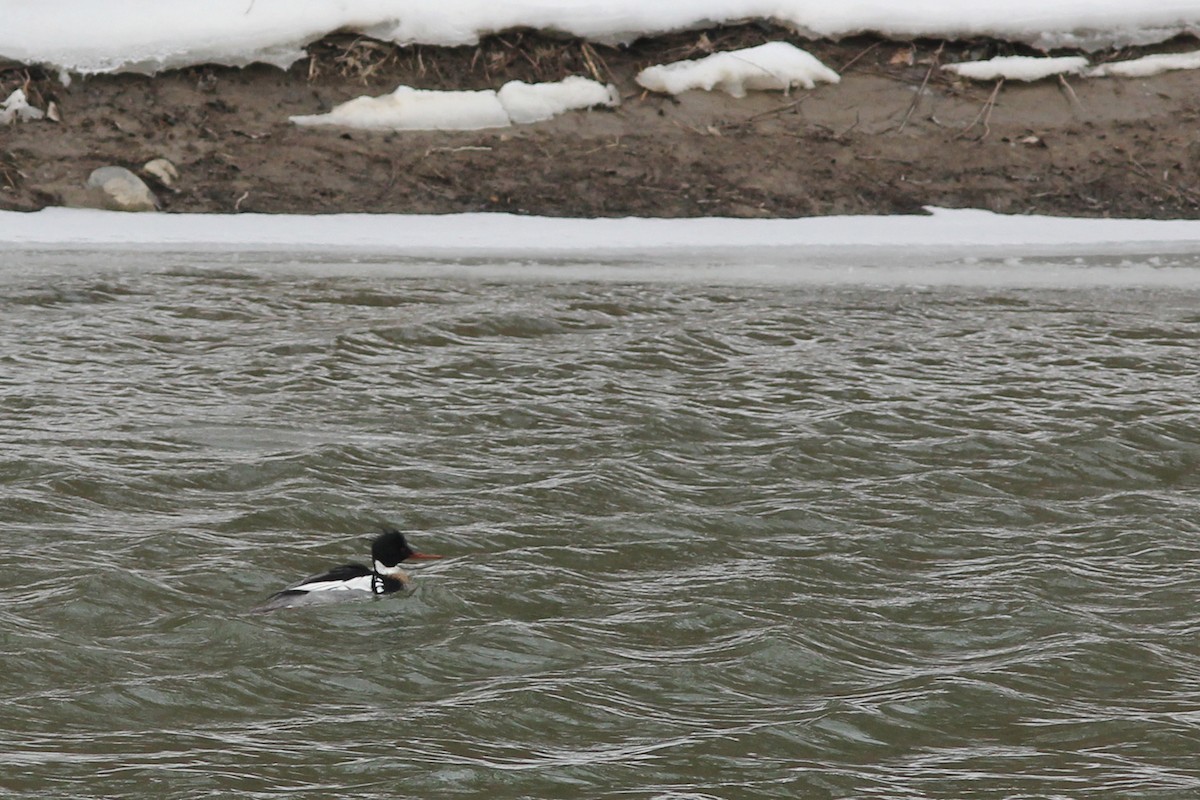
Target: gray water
868	538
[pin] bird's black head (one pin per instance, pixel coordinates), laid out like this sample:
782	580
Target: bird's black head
390	548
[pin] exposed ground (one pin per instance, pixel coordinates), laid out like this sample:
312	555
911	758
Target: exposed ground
895	135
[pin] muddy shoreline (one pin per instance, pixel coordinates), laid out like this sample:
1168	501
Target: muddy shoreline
897	134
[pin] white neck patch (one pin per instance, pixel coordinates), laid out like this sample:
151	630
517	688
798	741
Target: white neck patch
391	572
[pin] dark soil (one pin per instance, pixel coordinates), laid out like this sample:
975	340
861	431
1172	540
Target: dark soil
895	135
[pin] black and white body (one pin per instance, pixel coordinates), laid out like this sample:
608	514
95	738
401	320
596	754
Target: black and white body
353	581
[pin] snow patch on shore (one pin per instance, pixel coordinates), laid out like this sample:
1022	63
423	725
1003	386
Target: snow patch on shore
1147	66
409	109
1018	68
534	102
17	108
775	66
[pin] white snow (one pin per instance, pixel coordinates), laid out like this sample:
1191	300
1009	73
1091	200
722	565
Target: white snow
416	109
409	109
17	107
534	102
90	36
495	234
1018	68
1146	66
772	66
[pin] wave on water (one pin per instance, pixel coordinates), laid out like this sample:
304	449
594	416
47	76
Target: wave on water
705	540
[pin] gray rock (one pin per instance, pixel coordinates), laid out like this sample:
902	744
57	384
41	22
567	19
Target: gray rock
119	189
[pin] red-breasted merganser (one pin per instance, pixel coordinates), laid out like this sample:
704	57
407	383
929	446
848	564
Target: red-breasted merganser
351	581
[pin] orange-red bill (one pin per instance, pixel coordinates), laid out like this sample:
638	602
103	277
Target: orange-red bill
424	556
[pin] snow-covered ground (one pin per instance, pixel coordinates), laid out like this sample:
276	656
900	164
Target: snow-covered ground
90	36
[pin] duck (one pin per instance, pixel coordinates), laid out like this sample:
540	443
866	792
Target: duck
354	581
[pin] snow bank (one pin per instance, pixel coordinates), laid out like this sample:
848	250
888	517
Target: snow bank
495	236
409	109
1018	68
90	36
772	66
1146	66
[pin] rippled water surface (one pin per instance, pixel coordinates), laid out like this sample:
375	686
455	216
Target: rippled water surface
790	540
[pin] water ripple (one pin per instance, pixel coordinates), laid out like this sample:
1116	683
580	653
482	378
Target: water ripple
703	542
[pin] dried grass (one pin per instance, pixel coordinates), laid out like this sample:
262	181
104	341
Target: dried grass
515	55
10	176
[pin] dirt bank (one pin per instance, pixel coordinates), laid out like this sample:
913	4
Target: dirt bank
895	135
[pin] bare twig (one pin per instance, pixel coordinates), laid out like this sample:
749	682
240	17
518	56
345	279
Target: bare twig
463	149
9	172
1070	93
778	110
1177	192
590	58
906	162
916	101
985	113
857	120
616	143
861	53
